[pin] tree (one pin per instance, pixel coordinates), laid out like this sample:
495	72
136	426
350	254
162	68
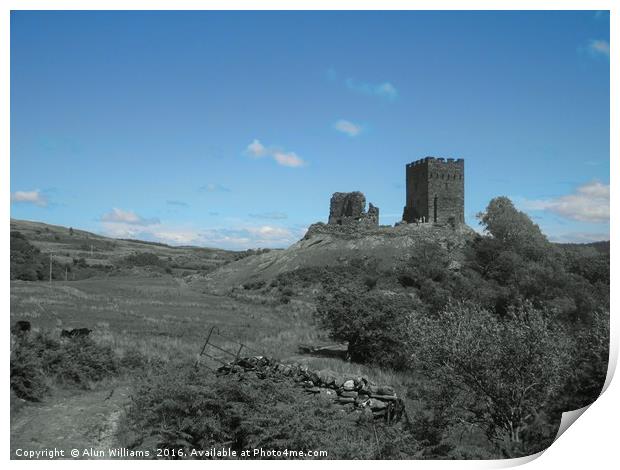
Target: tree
374	324
513	228
500	372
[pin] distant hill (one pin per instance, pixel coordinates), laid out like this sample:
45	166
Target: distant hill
89	254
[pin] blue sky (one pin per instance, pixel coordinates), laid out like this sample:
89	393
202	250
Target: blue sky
233	129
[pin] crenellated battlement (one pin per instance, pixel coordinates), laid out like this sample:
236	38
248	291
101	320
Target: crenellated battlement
426	160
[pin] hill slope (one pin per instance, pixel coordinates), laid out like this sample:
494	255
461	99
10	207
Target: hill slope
97	251
328	245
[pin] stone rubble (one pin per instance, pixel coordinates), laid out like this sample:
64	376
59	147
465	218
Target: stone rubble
359	393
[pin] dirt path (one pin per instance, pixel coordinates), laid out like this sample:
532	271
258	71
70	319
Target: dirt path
85	421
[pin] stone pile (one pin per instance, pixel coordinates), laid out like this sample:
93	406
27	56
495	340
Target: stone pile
354	393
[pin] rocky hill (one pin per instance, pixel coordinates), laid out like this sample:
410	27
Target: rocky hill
334	245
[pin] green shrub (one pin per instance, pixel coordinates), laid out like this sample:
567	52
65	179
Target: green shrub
179	408
39	360
503	371
374	324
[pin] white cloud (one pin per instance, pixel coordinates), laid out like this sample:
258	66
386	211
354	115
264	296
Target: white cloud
281	157
30	197
385	90
290	159
127	217
589	203
256	149
598	47
347	127
120	223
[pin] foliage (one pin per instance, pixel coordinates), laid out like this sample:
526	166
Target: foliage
180	408
588	365
513	229
373	324
38	360
143	259
502	371
27	262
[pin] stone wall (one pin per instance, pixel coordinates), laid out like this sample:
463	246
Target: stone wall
356	393
435	191
350	208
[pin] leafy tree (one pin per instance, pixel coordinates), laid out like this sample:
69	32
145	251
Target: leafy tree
501	372
375	325
513	229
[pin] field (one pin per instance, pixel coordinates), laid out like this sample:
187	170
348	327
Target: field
161	316
151	306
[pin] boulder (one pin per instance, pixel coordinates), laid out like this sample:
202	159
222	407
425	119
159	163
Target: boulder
375	404
349	385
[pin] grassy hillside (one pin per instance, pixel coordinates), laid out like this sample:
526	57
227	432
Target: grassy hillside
339	246
101	255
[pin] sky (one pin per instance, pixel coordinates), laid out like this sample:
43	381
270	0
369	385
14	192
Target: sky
233	129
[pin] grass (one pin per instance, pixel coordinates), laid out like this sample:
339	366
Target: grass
161	316
165	320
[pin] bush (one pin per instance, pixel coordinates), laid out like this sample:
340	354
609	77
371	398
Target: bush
374	324
502	371
180	408
39	360
143	259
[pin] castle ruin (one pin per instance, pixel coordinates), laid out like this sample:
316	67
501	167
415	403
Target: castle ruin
435	191
350	208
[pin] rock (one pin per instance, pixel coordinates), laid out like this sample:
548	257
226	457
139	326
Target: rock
385	390
349	385
348	394
361	402
375	404
326	377
378	414
385	397
313	376
339	381
345	400
313	390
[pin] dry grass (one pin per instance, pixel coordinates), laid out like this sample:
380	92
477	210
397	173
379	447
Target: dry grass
160	316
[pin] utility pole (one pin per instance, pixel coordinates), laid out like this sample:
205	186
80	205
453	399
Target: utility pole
66	273
91	251
51	268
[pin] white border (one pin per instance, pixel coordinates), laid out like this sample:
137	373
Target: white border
591	443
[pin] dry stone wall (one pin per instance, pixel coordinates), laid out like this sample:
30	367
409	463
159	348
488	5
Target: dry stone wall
357	394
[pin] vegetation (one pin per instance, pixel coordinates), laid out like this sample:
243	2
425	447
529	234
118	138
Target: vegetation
179	408
507	338
39	361
492	341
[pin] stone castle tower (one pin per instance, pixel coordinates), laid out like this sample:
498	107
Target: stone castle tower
436	191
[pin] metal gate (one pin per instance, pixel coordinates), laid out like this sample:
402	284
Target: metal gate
210	349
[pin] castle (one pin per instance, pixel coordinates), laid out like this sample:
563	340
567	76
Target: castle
435	191
435	194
